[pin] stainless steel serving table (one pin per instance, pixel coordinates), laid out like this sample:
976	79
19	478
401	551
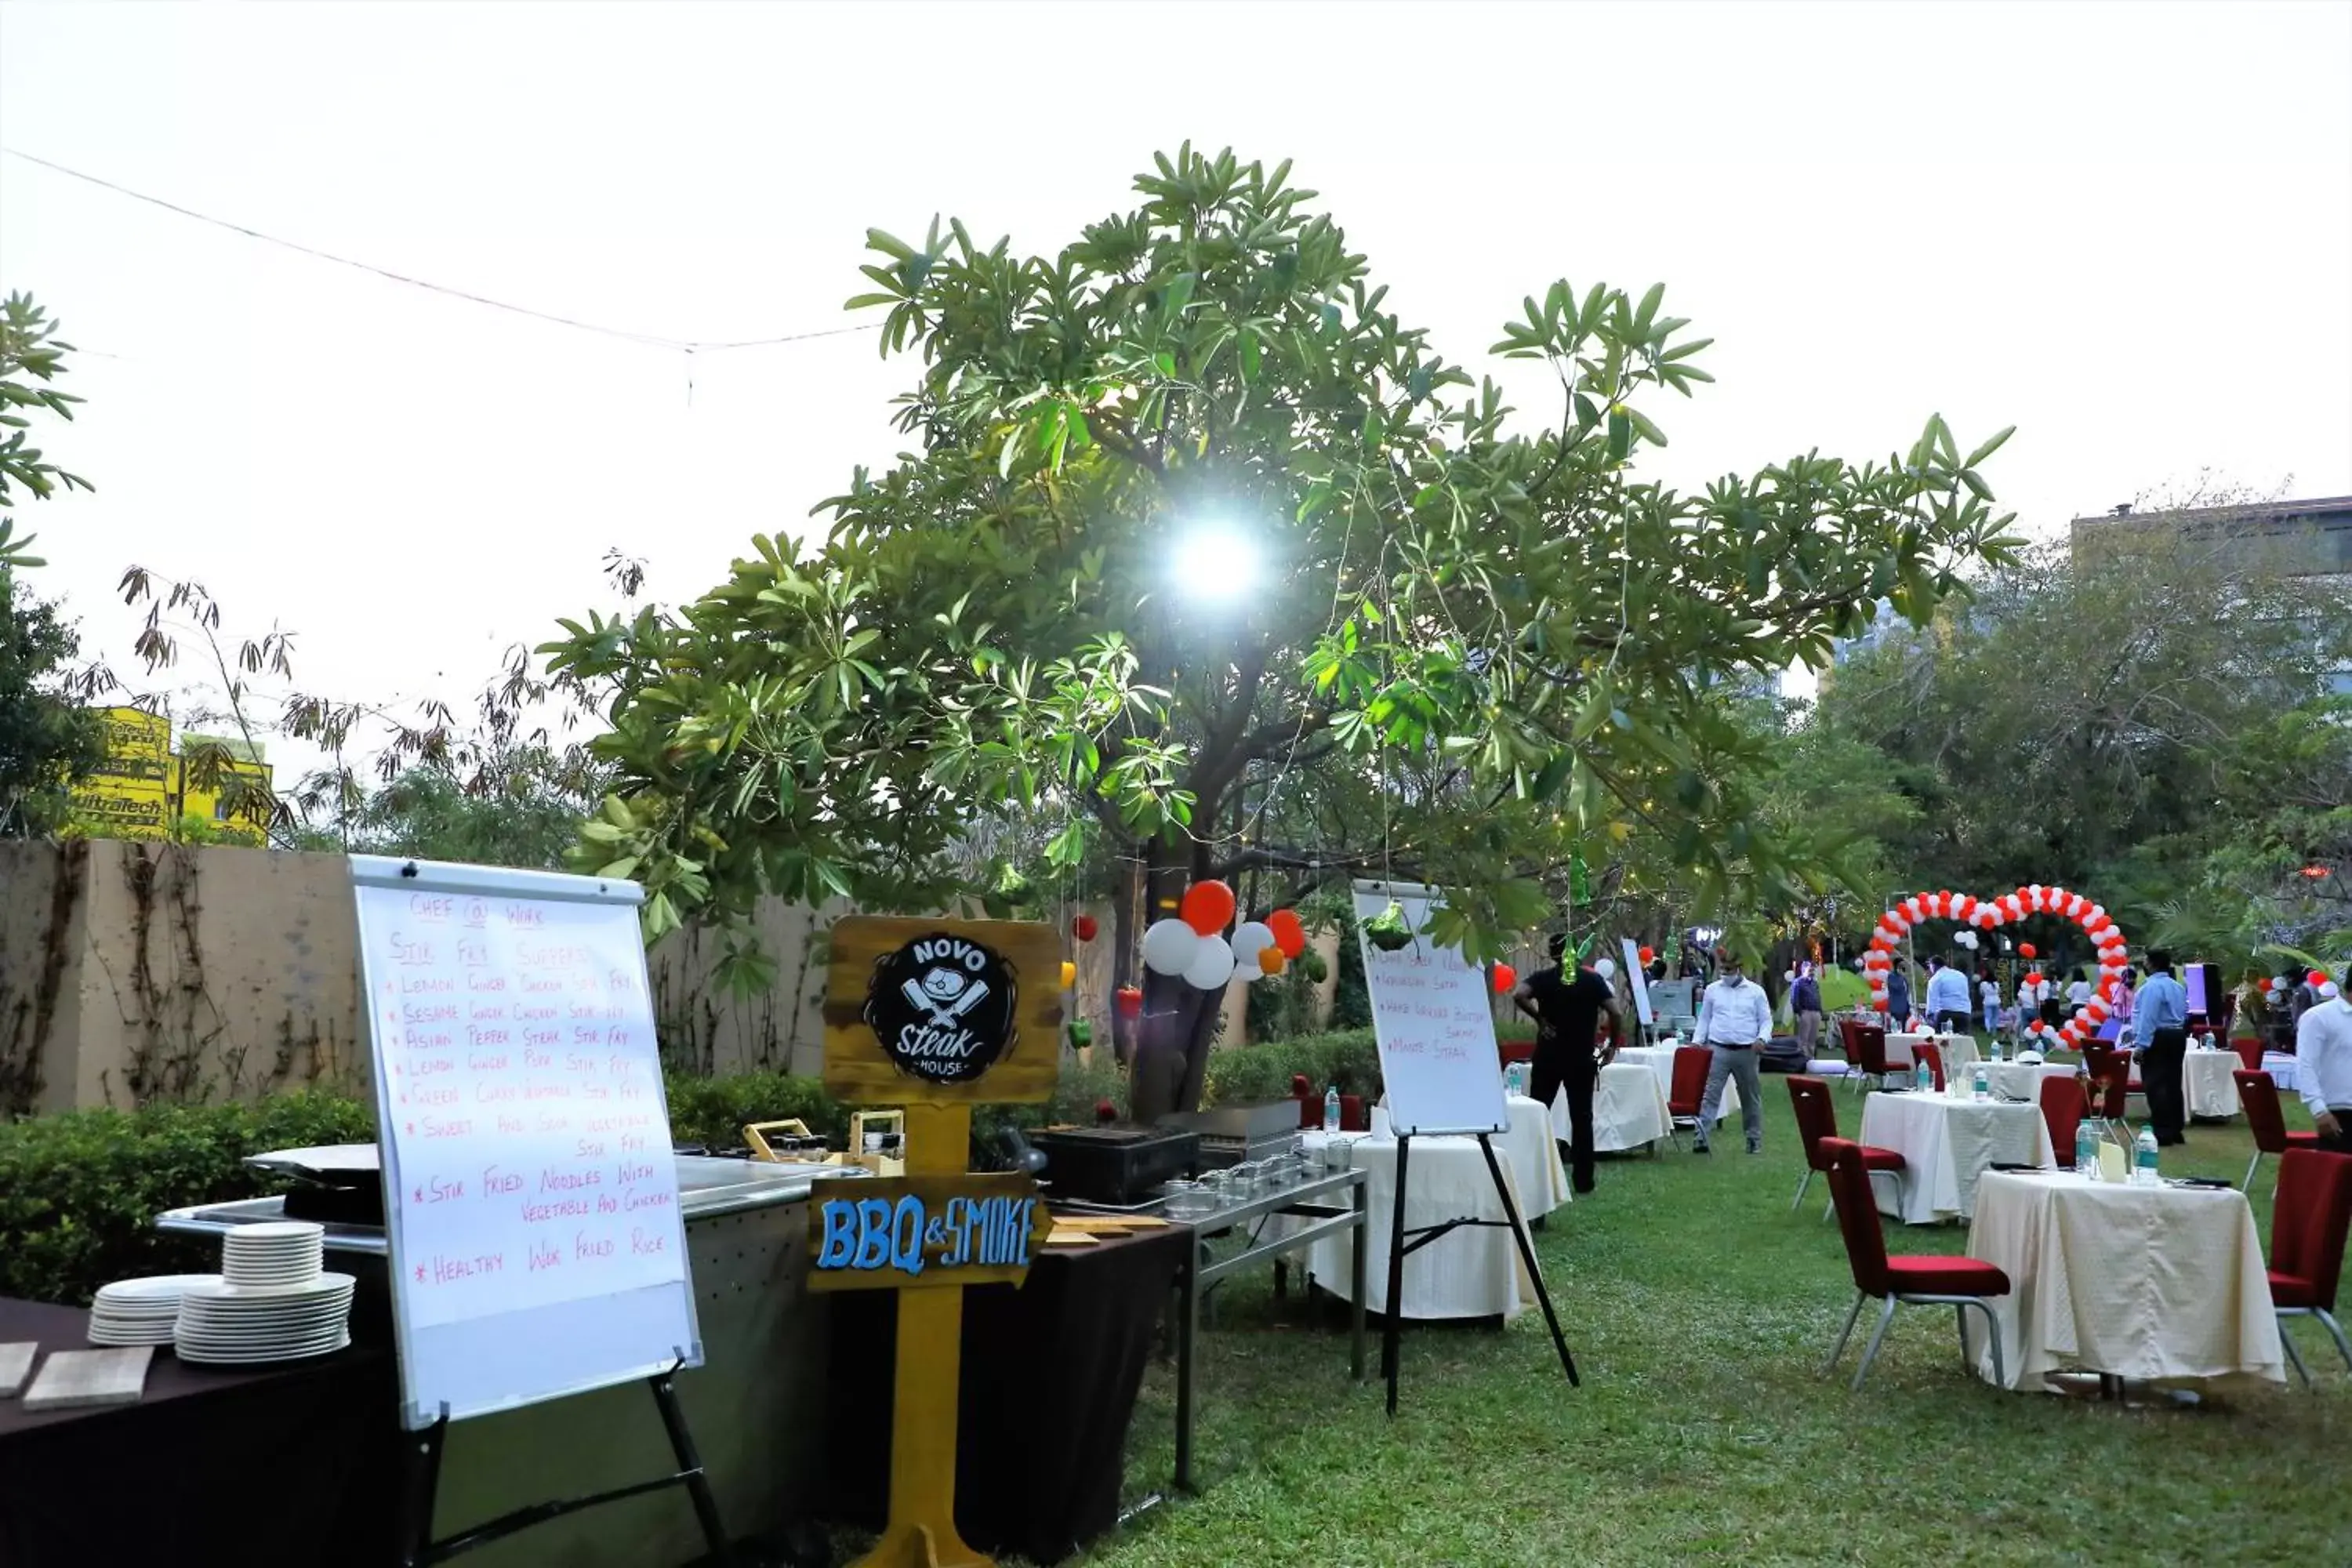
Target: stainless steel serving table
757	1404
1313	1199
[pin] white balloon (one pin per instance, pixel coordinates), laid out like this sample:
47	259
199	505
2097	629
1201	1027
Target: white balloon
1170	946
1245	972
1254	938
1211	966
1605	968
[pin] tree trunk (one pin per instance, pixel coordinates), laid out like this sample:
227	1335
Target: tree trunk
1124	937
1171	1050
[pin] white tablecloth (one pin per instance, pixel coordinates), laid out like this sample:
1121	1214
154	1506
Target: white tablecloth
2286	1073
1958	1050
2206	1083
1629	1109
1946	1142
2159	1284
1660	1060
2023	1080
1541	1180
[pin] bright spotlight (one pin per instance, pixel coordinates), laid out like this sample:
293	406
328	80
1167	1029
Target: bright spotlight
1215	562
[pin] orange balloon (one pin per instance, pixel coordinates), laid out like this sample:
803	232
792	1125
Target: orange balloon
1289	932
1208	906
1271	960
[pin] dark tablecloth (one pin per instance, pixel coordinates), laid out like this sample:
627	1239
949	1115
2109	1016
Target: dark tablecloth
282	1461
1050	1377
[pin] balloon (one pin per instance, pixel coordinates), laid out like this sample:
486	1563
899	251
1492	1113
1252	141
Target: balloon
2263	985
1069	974
2025	950
1505	979
1271	963
1648	953
1289	932
1605	967
2034	977
1211	966
1208	905
1084	928
1169	947
2317	977
1130	1000
1247	970
1251	938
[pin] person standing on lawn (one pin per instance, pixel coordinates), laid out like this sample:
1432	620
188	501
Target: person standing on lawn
1568	1006
2161	1011
1898	998
1735	1022
1805	1001
1947	997
2323	1054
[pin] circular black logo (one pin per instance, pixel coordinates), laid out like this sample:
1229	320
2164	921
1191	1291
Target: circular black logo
942	1008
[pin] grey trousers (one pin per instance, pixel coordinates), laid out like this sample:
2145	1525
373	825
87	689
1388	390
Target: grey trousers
1740	1066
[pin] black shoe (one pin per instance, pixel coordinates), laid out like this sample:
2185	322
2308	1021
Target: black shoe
1698	1148
1756	1149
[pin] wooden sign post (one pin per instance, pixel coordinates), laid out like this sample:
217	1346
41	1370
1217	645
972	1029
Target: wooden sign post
934	1016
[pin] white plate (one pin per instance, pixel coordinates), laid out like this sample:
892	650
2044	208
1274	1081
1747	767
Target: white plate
211	1333
154	1287
248	1357
260	1279
127	1334
279	1230
324	1285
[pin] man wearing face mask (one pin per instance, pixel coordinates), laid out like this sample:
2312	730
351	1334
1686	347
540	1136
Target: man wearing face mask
1735	1022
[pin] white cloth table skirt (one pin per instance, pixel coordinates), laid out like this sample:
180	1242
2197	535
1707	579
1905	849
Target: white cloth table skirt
1471	1272
2286	1072
1533	1158
2023	1080
1629	1109
1660	1060
1946	1142
2206	1084
2158	1284
1958	1050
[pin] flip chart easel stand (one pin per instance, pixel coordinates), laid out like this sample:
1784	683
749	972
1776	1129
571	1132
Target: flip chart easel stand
1421	1236
422	1476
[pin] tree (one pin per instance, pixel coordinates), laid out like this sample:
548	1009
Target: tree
527	813
1477	633
30	353
48	740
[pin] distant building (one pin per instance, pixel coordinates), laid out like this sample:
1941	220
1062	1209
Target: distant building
145	789
2297	538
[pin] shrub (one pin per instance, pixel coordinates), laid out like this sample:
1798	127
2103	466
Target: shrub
1252	1073
713	1112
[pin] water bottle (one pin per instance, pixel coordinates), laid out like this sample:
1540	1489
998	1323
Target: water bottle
2086	1149
1331	1109
1983	1080
1995	1049
2144	1159
1923	1079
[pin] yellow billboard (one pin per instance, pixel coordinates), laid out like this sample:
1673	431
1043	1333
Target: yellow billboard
142	790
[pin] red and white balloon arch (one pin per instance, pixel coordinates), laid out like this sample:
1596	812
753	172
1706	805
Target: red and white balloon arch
1987	914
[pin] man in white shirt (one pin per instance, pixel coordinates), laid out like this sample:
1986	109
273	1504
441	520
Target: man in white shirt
1947	997
2323	1054
1735	1021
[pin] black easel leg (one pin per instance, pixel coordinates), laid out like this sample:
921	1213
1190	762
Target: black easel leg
1527	1256
1389	1349
420	1480
689	1465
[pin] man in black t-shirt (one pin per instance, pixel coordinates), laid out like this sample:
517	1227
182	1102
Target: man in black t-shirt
1567	1005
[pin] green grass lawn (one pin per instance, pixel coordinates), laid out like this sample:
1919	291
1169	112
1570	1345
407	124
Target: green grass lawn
1699	1308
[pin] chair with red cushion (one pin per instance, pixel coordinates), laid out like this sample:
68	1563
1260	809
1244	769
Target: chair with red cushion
1868	1054
2063	1106
1518	1051
1958	1283
1353	1116
2310	1212
2259	1095
1686	1094
2250	1051
1817	1127
1931	1053
2109	1088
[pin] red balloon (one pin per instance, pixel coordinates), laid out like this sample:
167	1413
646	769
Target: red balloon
1505	978
2034	977
2025	950
1289	932
1084	928
1208	906
2317	977
1648	953
2263	985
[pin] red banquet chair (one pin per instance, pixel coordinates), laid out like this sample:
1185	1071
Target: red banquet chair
2063	1108
1353	1116
2310	1212
1931	1053
1518	1051
1867	1052
2260	1097
1817	1127
1958	1283
2110	1087
2250	1051
1686	1095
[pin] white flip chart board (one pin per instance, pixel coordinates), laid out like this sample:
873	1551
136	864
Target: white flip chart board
1434	1024
531	1191
1640	979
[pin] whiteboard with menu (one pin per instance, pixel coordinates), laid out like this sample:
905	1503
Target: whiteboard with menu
1434	1024
531	1191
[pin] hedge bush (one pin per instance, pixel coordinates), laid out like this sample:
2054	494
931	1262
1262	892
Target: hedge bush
1260	1072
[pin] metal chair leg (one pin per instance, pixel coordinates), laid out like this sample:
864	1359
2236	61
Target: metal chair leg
2251	1166
1843	1334
2334	1332
1798	1202
2295	1357
1870	1353
1993	1340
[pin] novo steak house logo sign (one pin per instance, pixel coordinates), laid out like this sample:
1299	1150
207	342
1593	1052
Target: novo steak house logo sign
942	1008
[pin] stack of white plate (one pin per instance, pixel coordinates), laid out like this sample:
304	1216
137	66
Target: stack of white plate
271	1253
141	1311
231	1324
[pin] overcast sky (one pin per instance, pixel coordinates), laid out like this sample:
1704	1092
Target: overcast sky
2125	228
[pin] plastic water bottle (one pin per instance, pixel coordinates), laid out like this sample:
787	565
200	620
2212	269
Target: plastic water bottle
1331	1109
1995	1048
2086	1149
1983	1080
1923	1078
2144	1159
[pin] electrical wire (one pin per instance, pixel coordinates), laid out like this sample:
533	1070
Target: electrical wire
650	340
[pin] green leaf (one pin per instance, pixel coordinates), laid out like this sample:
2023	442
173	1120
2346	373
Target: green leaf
1649	432
1993	444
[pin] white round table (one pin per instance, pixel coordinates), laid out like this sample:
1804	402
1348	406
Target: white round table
2023	1081
1629	1109
2156	1284
1660	1060
1946	1141
2206	1084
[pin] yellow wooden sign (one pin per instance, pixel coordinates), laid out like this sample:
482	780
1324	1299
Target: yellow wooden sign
942	1012
924	1231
